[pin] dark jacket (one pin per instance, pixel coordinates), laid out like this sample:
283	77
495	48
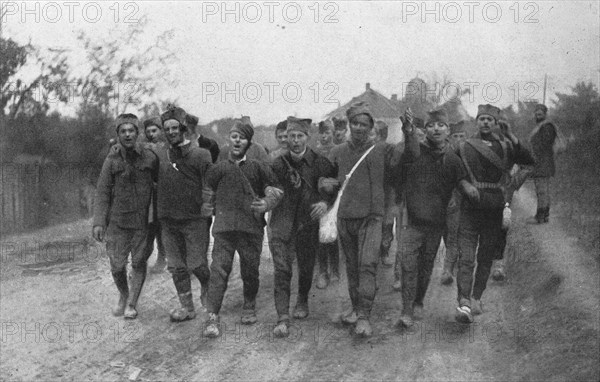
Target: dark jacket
211	145
429	184
180	182
124	188
542	142
293	212
236	187
485	171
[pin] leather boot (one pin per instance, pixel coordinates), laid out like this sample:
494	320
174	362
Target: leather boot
138	276
183	286
120	279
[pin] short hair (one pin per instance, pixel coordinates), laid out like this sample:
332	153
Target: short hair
382	129
281	126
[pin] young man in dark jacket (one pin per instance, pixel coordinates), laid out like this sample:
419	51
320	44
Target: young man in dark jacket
183	168
430	181
294	223
481	238
121	209
239	190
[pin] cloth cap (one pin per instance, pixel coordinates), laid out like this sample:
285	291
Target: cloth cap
281	126
299	124
437	116
458	127
127	118
191	120
154	121
176	113
325	125
488	109
340	123
542	107
357	109
243	127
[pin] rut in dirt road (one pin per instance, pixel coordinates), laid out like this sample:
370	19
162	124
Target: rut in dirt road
521	335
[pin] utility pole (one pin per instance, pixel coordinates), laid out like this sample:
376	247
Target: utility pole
545	83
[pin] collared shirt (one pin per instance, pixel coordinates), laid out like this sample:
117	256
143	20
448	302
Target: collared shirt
124	188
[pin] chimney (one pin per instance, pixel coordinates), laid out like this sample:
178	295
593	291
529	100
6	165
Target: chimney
368	86
395	97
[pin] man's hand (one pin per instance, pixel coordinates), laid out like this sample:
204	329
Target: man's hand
259	206
318	210
407	121
470	191
98	233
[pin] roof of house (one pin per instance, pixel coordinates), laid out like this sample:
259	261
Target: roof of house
380	105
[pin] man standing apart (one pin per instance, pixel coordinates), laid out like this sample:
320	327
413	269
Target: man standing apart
361	212
542	142
183	170
239	190
295	221
123	196
481	238
430	181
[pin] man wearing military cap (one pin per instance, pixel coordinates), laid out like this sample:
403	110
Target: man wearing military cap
282	141
183	168
203	141
255	151
121	211
361	210
239	190
430	180
481	237
340	129
542	139
294	222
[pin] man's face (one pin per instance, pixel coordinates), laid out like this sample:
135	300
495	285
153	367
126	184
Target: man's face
340	134
457	138
539	115
173	132
282	138
437	132
239	144
485	123
153	133
127	135
360	128
326	137
297	141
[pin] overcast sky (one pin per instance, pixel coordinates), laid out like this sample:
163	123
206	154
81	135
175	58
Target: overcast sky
488	46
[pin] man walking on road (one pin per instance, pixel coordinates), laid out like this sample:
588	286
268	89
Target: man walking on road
295	221
430	181
239	190
481	236
121	210
183	170
361	212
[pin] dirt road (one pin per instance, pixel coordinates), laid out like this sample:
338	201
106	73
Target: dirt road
541	324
